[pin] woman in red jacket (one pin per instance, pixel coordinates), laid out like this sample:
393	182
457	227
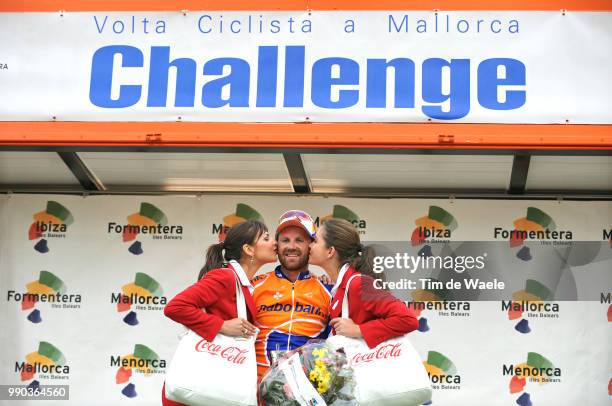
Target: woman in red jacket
245	249
375	314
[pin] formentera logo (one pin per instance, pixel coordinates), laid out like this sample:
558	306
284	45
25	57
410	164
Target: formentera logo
48	288
538	369
536	225
442	372
144	294
534	302
243	213
437	226
51	223
47	363
149	220
439	300
343	212
142	361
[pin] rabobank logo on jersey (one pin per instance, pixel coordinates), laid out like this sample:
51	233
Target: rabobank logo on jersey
288	308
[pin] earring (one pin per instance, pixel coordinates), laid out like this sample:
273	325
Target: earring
252	259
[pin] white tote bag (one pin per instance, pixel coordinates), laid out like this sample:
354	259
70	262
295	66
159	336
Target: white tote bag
390	374
220	373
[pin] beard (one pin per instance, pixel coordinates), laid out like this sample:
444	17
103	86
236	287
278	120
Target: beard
302	263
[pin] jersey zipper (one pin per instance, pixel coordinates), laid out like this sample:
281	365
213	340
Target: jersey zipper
291	317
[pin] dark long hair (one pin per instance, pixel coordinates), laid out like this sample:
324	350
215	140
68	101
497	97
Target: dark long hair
218	255
342	235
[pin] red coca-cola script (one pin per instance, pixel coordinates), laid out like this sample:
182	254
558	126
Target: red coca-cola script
384	352
234	355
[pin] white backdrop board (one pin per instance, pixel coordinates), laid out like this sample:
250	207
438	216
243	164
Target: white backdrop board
74	253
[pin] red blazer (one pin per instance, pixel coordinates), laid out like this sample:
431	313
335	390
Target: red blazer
378	313
216	293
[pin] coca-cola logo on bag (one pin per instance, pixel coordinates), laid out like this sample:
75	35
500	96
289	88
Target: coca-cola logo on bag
234	355
384	352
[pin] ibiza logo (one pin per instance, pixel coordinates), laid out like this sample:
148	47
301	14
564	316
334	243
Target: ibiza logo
437	226
440	300
143	360
537	225
233	355
149	220
49	288
534	302
48	224
386	351
442	371
48	362
343	212
538	369
145	293
243	213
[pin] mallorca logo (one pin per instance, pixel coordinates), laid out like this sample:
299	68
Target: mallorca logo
144	294
149	220
243	213
607	299
343	212
607	236
537	369
442	372
48	362
47	289
533	302
51	223
437	226
142	361
437	299
537	225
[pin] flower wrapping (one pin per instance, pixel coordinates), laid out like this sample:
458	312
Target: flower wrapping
314	374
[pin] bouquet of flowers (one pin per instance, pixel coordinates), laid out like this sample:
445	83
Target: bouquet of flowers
314	374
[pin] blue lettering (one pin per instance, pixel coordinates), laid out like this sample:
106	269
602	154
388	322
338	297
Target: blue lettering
267	76
401	26
488	82
118	27
202	30
459	95
322	82
498	24
102	76
98	27
294	76
376	87
237	80
158	79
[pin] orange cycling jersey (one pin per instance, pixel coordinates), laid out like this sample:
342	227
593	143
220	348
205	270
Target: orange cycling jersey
288	313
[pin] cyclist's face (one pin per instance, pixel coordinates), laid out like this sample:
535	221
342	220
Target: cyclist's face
293	249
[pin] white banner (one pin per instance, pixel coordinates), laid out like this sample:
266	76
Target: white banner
326	66
98	325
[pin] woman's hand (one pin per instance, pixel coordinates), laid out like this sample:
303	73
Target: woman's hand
238	328
346	327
